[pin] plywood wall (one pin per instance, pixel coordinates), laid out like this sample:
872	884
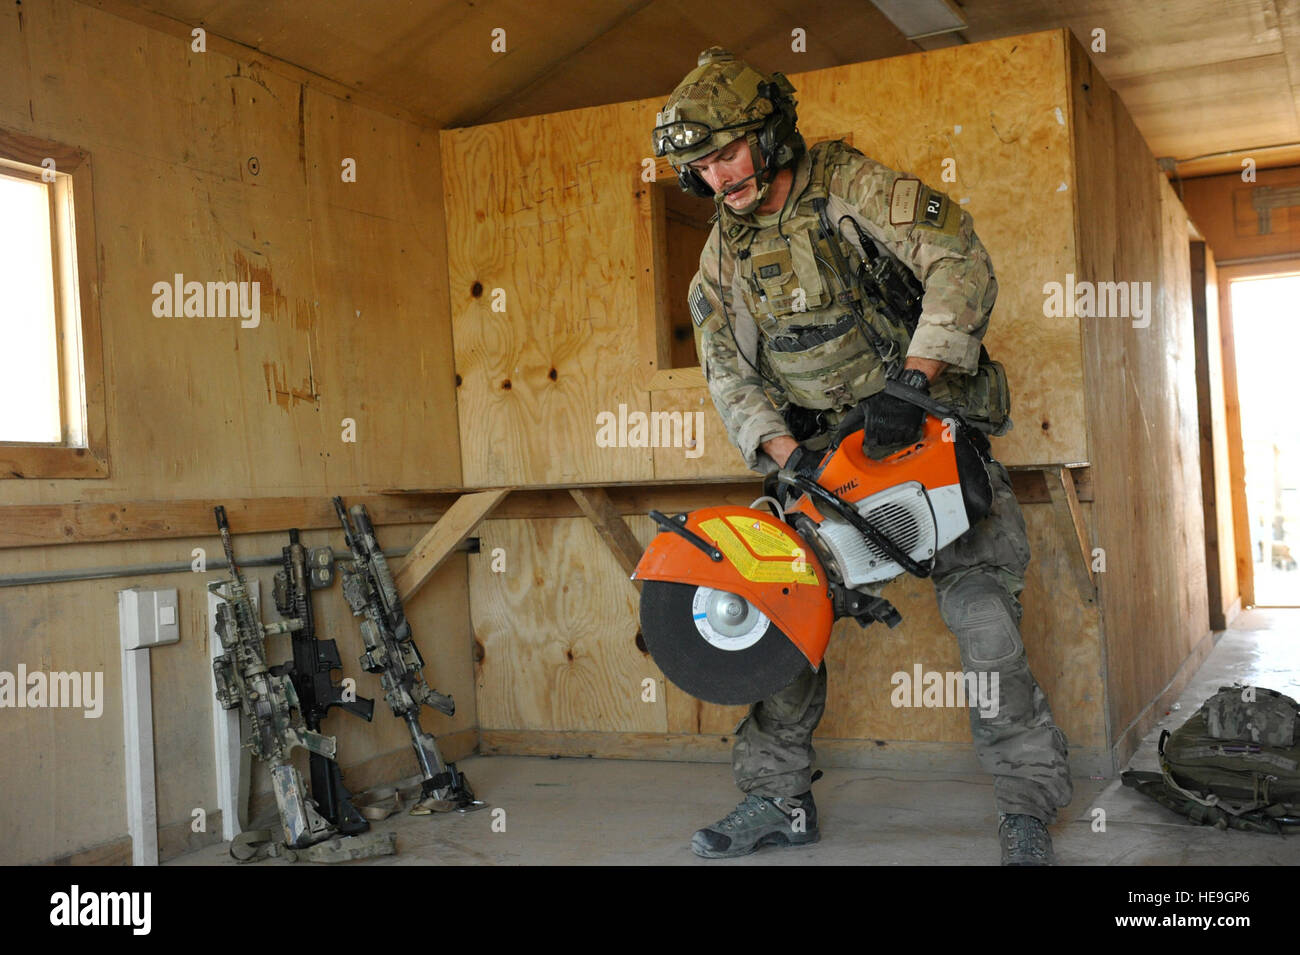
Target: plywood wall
546	210
222	167
55	757
1143	435
350	273
1104	656
560	670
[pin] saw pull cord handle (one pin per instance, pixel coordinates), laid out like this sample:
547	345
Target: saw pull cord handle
677	525
847	511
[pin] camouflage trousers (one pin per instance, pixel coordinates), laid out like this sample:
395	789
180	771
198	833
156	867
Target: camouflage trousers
977	579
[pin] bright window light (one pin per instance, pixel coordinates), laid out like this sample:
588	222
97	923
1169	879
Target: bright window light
29	353
1266	322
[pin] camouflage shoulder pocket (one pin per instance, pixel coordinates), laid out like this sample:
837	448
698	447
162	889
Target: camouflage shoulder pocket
984	397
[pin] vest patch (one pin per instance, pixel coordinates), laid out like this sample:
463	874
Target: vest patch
767	271
699	303
934	208
938	213
902	201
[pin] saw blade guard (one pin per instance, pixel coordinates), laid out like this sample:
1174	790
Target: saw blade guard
762	560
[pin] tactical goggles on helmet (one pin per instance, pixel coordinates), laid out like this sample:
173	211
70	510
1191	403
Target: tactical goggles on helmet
687	134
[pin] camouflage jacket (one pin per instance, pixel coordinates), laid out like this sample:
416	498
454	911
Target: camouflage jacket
921	227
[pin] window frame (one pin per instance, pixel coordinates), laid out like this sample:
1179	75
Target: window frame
653	333
83	451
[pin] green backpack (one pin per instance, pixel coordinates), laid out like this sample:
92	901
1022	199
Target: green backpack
1234	764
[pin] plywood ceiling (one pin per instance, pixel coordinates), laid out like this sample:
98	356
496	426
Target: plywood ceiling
1199	76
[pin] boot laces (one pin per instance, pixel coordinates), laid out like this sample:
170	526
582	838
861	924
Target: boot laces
751	805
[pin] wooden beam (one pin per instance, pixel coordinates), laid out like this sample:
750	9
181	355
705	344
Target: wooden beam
527	503
1070	518
600	510
88	522
35	525
665	483
1028	480
1205	319
1242	544
442	539
1031	483
873	753
672	379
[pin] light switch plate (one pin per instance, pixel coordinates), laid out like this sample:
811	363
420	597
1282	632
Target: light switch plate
151	618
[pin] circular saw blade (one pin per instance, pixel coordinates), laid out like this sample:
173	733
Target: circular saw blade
714	649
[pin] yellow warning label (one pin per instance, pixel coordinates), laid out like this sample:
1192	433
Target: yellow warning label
770	558
765	540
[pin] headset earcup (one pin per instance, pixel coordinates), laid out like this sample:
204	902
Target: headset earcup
772	135
775	131
692	182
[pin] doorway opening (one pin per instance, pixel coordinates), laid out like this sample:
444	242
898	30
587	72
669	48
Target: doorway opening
1266	332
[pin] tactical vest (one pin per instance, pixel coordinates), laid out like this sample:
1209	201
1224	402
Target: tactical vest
813	344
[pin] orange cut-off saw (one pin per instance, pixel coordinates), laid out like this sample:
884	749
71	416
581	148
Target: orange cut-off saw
736	601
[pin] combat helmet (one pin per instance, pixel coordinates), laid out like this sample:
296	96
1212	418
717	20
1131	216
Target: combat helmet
721	100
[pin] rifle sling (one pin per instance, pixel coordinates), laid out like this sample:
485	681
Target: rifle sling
258	844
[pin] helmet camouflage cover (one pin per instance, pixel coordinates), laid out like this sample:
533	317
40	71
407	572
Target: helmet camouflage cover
715	103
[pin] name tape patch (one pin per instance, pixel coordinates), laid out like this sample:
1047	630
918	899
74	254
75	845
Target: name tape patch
902	201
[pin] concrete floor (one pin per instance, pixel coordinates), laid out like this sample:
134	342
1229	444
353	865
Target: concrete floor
612	812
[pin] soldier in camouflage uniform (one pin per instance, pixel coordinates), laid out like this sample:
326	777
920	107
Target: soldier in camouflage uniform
785	360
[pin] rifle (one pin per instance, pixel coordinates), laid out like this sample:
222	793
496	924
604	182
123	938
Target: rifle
268	700
371	592
313	663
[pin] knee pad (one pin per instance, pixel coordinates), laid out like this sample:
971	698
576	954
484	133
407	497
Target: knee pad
981	614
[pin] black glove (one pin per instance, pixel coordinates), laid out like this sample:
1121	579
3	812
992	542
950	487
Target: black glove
801	461
803	423
891	420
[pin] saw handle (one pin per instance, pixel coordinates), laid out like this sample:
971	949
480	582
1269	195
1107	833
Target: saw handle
677	525
896	389
855	419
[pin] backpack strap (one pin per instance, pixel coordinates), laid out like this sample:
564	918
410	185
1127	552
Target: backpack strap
1205	813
